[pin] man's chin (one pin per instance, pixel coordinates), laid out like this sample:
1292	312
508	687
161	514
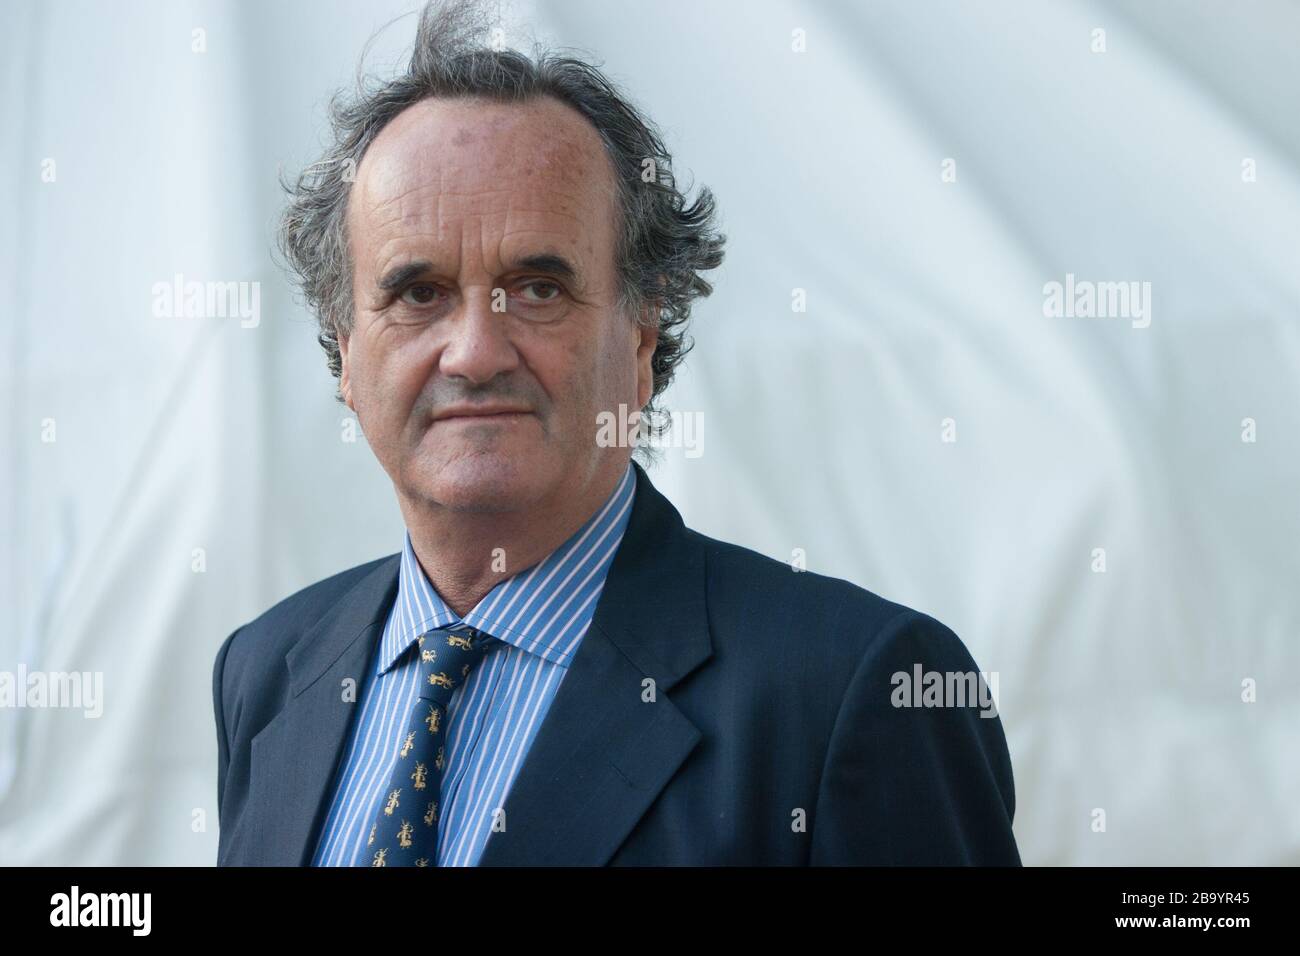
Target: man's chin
485	482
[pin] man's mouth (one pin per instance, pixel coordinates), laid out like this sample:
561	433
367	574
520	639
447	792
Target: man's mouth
478	413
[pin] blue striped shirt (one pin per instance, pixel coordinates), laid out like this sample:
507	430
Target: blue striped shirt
539	617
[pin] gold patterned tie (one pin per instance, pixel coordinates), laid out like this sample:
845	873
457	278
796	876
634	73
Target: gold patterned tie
405	831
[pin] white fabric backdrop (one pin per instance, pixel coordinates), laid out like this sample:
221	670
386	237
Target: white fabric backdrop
1119	690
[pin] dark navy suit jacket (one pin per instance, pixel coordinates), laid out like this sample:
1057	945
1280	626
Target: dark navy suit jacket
722	709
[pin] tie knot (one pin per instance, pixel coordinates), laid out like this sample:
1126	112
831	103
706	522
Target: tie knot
446	659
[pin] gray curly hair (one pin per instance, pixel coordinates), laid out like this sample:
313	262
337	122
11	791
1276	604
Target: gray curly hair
663	244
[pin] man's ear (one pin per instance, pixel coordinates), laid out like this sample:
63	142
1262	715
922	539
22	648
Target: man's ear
645	376
345	382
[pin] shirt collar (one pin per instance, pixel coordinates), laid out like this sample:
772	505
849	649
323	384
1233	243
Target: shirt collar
544	609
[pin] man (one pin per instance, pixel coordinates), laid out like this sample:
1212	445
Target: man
554	669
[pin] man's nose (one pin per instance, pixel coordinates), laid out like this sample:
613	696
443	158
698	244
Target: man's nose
478	345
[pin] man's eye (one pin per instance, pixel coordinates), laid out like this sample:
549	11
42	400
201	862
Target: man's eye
420	294
552	289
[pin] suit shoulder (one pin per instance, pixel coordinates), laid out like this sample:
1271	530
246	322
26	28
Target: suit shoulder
758	607
738	575
289	618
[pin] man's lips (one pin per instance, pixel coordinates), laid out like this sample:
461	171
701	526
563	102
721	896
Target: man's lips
478	412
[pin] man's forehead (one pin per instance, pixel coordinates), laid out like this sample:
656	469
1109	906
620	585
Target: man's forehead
464	157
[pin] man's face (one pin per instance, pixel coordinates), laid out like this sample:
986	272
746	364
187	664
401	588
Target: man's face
451	201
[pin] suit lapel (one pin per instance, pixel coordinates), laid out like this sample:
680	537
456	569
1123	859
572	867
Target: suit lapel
605	750
295	756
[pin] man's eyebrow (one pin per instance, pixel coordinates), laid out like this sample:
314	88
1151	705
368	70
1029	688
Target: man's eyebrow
547	263
550	263
398	277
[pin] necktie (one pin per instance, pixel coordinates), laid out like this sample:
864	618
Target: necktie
405	832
